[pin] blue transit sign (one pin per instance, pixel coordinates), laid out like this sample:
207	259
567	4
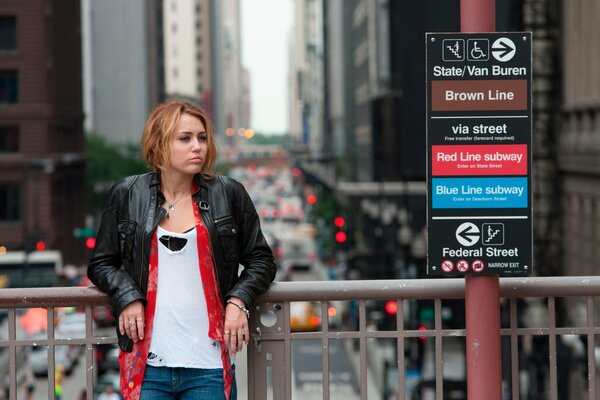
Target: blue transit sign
479	154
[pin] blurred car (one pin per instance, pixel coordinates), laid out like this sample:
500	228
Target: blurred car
64	355
298	253
305	316
71	325
107	358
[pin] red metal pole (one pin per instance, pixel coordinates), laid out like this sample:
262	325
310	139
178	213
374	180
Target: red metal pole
482	306
482	293
477	15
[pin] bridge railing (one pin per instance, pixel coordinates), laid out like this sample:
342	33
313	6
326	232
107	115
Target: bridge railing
534	352
534	338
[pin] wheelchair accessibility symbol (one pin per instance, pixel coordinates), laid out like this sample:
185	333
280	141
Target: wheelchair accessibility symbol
478	49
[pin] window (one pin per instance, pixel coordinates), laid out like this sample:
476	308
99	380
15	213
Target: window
8	87
8	33
10	199
198	56
199	72
9	139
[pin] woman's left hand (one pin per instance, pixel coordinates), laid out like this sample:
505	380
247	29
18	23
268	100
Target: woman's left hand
236	330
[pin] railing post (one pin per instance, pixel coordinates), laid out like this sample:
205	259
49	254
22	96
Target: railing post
482	304
482	293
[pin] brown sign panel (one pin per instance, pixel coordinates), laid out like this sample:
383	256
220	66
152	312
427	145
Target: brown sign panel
478	95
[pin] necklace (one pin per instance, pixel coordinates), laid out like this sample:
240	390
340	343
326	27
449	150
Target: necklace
171	206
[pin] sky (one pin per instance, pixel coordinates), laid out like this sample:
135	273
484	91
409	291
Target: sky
266	30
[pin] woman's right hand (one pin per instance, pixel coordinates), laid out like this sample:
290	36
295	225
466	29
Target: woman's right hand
131	320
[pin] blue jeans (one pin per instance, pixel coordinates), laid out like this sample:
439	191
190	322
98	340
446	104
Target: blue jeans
184	384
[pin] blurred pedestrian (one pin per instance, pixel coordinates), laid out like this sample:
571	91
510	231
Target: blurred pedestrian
29	383
59	377
108	393
168	251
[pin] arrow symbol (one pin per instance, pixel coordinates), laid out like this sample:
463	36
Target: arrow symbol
503	49
467	234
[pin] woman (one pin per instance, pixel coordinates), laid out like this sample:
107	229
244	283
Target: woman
168	251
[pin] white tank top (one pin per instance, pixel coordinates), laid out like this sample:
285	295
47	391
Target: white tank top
180	332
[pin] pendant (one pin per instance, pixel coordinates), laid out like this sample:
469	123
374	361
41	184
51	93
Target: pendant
169	208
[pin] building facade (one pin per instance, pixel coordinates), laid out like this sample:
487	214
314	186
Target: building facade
188	59
124	66
579	139
41	126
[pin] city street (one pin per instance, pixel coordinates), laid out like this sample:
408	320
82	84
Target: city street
73	384
307	373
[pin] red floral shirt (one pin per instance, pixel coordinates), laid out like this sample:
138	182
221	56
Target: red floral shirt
133	364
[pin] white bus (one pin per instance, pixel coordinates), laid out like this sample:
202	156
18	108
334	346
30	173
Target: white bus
19	269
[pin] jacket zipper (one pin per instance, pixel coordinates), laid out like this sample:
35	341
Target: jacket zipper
223	219
210	227
146	244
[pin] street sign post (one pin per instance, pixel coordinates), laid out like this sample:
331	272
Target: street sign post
479	154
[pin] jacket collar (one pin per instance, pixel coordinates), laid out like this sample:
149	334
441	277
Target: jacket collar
200	194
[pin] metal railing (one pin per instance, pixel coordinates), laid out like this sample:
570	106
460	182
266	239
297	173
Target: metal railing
271	353
270	360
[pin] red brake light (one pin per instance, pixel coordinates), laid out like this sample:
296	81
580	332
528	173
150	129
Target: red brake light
391	307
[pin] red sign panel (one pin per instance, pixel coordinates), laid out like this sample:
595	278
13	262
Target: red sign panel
452	160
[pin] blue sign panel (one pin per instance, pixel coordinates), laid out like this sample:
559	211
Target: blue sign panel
479	192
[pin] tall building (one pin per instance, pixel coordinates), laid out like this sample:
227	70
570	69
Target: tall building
188	57
203	60
123	62
298	70
228	72
246	104
306	77
579	140
41	126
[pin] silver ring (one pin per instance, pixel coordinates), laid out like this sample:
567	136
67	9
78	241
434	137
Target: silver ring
131	323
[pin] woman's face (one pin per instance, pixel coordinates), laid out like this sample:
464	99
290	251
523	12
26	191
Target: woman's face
189	146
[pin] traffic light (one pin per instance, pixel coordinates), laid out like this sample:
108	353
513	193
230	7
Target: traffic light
89	234
311	199
35	242
90	243
391	307
340	235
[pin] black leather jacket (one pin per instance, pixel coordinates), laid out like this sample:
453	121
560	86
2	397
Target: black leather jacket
120	261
